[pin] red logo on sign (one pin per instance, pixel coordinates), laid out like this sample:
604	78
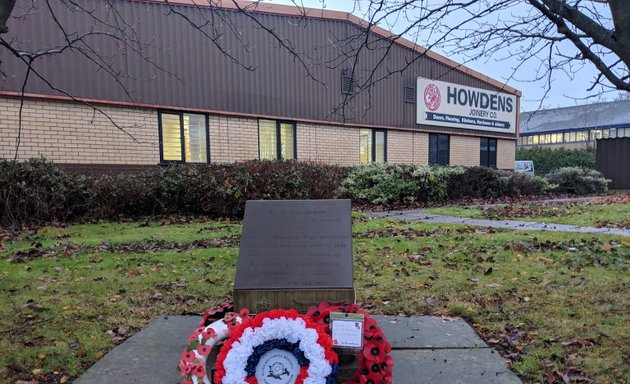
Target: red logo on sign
432	97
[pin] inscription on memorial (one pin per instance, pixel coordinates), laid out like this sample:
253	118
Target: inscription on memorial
295	244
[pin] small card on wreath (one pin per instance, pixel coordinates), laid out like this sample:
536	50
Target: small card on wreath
347	330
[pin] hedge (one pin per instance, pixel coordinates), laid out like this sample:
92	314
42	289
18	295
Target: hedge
547	160
37	191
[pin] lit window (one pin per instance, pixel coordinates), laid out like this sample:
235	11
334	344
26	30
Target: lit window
276	140
572	137
582	135
488	153
372	146
438	149
613	133
535	140
183	137
596	134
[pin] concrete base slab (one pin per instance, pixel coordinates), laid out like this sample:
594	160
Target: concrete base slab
428	332
149	356
451	366
425	350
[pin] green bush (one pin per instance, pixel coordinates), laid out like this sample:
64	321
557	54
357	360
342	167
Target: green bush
381	184
549	159
577	181
386	184
37	191
481	182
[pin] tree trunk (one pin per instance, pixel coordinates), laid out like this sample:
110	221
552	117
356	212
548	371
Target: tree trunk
620	10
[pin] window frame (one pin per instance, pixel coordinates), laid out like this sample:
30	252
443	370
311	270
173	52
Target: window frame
182	137
448	149
488	152
372	155
279	139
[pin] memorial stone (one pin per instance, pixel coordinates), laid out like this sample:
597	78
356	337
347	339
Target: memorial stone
294	254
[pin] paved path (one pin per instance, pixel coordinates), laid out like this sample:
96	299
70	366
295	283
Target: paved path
421	215
426	349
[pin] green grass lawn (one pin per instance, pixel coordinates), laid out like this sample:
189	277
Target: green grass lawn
553	303
576	213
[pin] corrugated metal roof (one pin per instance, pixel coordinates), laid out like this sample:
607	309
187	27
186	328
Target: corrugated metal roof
197	75
598	115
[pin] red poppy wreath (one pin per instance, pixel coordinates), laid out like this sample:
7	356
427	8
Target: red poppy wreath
294	348
375	363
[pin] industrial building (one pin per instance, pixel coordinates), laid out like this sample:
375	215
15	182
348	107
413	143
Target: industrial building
191	83
575	127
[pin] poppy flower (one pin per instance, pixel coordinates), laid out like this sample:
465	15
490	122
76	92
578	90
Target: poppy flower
182	367
388	364
188	356
374	351
319	312
203	349
208	333
199	370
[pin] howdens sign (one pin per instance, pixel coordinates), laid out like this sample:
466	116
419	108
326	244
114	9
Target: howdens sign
458	106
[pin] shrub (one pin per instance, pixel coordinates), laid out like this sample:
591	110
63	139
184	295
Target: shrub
480	182
386	184
38	191
378	183
548	159
577	181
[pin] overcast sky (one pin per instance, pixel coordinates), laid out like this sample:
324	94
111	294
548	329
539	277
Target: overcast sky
564	91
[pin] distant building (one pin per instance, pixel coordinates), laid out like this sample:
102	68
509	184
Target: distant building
575	127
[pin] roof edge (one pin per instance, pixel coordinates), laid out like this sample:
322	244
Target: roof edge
320	13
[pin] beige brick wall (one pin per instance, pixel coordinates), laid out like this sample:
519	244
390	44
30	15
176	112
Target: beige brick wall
328	144
506	152
407	147
66	132
72	133
464	151
233	139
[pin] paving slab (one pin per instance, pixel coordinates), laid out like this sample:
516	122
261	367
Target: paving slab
420	215
428	332
425	350
451	366
149	356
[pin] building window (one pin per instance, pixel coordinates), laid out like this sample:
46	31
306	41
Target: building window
276	140
488	153
183	137
582	136
372	146
438	149
596	134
